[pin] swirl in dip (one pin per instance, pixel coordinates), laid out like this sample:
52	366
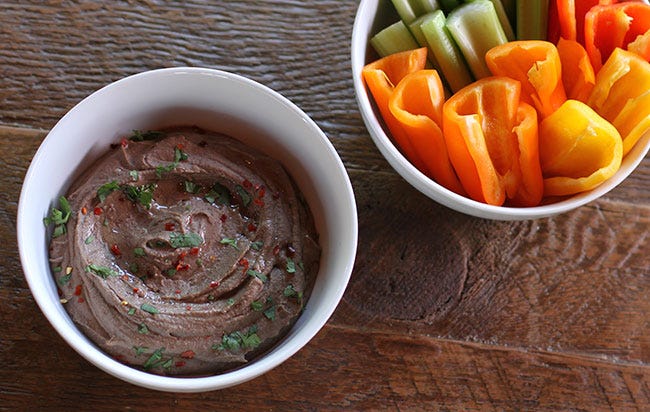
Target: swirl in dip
185	252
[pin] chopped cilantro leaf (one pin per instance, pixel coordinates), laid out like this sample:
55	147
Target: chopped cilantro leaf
257	245
139	252
134	175
106	189
191	187
102	271
256	274
140	194
154	360
291	266
64	279
149	308
143	329
270	313
219	194
244	195
229	241
257	305
239	340
59	217
139	136
191	239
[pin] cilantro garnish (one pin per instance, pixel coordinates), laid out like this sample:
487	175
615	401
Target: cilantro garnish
246	197
64	279
102	271
239	340
106	189
143	329
134	175
270	313
257	305
219	194
59	217
139	350
291	292
257	245
156	359
191	187
291	266
229	241
139	136
149	308
138	251
140	194
191	239
179	156
256	274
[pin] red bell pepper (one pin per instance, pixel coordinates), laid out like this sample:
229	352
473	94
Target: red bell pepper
610	26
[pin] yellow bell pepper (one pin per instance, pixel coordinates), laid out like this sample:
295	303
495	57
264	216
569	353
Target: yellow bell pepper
578	149
620	95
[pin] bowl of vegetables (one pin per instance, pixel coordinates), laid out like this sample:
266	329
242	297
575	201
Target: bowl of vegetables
502	111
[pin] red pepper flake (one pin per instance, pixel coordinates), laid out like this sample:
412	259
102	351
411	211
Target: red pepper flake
180	146
124	142
182	255
194	251
115	250
261	192
214	284
124	278
182	266
223	218
77	290
169	227
243	262
81	300
180	364
188	308
98	211
177	291
258	202
136	290
84	210
252	227
276	250
247	184
188	354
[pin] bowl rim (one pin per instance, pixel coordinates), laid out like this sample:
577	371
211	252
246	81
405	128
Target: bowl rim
287	346
363	22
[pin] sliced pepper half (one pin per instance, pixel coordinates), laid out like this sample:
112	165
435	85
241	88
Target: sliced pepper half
492	139
620	95
579	149
380	77
577	72
610	26
417	104
536	64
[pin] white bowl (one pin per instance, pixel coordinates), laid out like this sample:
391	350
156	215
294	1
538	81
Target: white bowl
217	101
372	16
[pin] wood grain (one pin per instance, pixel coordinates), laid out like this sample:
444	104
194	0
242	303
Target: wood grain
443	311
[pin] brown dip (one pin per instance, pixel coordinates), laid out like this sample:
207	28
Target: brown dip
186	253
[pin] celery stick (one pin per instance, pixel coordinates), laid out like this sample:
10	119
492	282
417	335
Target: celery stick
532	19
452	64
416	31
393	39
476	29
503	19
409	10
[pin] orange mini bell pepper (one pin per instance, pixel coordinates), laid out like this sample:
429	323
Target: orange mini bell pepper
578	149
536	64
492	139
570	15
610	26
578	74
621	95
416	104
380	77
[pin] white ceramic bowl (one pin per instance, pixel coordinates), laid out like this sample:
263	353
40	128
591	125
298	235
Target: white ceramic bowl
213	100
372	16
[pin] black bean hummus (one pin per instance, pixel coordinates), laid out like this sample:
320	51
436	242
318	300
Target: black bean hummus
184	252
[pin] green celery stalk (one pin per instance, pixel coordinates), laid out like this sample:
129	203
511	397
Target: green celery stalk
532	19
476	29
416	31
453	67
393	39
409	10
503	19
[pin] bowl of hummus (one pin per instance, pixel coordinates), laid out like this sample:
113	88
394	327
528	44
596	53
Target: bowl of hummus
187	229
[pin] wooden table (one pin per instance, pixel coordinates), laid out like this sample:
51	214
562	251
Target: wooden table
443	311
